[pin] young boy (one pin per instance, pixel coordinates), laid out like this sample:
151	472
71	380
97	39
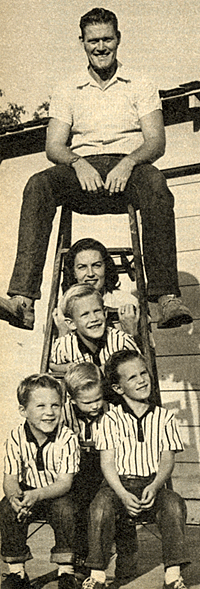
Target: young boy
83	411
91	341
42	455
138	442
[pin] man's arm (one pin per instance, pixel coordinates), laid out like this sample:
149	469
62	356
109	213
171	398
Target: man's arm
59	153
164	471
131	502
152	148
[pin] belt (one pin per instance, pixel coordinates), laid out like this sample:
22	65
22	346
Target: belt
133	477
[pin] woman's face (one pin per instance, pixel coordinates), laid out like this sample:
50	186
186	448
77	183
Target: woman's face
89	268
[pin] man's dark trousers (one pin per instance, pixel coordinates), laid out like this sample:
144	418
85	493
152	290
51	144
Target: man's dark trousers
146	190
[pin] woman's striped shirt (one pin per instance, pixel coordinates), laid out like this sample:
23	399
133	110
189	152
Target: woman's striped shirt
39	466
70	347
138	442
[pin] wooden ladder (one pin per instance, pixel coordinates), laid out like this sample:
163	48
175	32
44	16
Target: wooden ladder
135	273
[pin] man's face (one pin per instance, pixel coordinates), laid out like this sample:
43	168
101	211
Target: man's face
89	317
134	380
100	44
90	401
43	410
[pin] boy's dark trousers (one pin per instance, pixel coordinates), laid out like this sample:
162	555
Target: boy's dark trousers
84	488
109	521
57	512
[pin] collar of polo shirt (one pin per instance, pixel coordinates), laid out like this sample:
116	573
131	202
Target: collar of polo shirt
127	409
121	74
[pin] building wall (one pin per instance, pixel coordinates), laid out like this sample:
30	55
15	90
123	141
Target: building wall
177	350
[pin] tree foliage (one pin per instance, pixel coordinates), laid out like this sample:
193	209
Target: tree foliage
42	110
12	115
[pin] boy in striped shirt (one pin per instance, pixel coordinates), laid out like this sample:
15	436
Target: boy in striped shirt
42	456
90	340
138	441
83	411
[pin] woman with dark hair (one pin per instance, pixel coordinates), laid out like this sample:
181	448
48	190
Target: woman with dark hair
88	262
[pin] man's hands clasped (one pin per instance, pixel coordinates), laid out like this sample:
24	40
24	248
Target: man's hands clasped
91	181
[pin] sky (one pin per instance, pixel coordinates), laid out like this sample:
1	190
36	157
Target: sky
39	45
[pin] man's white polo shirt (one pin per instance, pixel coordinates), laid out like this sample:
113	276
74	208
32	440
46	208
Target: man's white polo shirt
105	120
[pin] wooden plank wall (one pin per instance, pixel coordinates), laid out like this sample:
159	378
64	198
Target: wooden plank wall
178	350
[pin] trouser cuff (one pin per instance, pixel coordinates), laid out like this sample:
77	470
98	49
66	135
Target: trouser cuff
18	558
62	557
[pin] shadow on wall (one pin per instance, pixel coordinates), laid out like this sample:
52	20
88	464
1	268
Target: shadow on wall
178	362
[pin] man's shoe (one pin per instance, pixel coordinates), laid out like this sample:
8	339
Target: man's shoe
178	584
173	312
66	581
91	583
14	581
18	311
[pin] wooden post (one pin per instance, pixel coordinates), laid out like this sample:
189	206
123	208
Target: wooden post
64	240
141	287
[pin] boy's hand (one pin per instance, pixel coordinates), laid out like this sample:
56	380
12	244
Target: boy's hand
132	504
16	500
148	496
29	499
129	317
59	320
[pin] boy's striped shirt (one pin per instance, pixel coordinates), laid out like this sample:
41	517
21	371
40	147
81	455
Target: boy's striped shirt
121	430
40	466
77	421
70	347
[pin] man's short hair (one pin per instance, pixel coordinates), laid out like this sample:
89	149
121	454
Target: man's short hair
98	16
118	358
33	382
81	377
75	293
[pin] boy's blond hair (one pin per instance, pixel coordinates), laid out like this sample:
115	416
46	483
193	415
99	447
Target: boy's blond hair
81	377
74	293
35	381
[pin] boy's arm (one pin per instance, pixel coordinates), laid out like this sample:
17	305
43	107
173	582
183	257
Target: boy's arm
62	368
131	502
12	491
164	471
57	489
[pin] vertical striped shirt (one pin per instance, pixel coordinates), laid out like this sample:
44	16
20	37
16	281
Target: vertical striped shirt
85	429
71	348
40	466
138	442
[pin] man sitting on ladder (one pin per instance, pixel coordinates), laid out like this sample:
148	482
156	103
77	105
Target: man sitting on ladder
113	118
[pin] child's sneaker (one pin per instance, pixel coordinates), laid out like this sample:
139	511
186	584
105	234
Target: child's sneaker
178	584
14	581
66	581
91	583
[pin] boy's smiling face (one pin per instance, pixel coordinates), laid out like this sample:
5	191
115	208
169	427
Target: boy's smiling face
90	401
89	317
134	380
43	411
